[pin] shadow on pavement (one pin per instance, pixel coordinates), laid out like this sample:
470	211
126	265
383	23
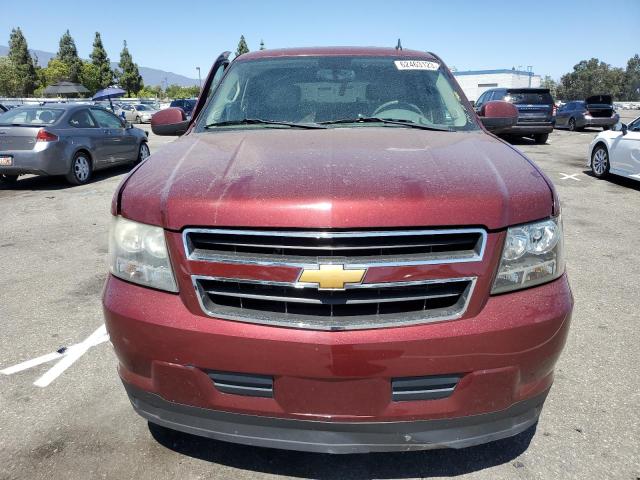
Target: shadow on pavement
446	462
44	183
617	180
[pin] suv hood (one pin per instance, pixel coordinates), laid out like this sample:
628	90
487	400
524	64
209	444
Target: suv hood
336	178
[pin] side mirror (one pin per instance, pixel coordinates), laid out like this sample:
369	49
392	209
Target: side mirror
621	127
473	103
498	115
169	122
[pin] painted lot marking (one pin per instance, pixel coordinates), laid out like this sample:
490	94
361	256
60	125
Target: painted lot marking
566	176
67	356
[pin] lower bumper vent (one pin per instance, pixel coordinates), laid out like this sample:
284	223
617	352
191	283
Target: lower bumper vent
423	388
243	384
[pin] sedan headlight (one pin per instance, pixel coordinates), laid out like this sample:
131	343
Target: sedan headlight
532	255
138	253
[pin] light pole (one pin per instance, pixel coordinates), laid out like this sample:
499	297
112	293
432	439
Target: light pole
199	77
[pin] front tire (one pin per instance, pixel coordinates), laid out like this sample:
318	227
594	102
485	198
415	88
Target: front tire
143	152
572	124
605	128
81	170
541	138
600	161
138	119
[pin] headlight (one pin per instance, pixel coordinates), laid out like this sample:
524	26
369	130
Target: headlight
138	253
532	255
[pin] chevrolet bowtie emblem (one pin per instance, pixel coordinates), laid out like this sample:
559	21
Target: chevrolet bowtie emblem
332	277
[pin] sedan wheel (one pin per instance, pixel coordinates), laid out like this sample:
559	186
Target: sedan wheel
144	152
8	179
572	124
600	162
80	172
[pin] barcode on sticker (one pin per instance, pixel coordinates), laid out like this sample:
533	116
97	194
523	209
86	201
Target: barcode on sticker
416	65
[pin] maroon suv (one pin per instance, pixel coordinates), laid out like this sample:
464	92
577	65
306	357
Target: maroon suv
336	256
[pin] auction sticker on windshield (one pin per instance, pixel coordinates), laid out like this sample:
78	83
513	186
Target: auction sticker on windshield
416	65
6	161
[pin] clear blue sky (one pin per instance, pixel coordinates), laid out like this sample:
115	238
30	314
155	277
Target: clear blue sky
175	36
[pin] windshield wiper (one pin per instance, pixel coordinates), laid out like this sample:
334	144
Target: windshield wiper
259	121
391	121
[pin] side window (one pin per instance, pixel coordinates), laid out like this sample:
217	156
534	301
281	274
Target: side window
635	125
497	95
105	119
82	119
482	99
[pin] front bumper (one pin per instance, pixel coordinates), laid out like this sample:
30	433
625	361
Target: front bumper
505	356
337	437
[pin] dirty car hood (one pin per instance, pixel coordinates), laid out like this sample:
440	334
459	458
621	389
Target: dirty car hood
336	178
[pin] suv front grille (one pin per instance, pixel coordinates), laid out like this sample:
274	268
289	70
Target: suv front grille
304	247
334	305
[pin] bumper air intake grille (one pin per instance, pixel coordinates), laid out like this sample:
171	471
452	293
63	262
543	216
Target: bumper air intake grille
243	384
423	388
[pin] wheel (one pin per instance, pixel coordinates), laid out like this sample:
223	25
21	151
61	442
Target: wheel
572	124
541	138
600	161
80	171
138	119
605	128
143	152
8	180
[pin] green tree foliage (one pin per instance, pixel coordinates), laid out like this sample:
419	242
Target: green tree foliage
55	71
592	77
11	84
150	92
176	91
551	84
632	79
100	59
242	47
68	54
129	77
90	77
23	62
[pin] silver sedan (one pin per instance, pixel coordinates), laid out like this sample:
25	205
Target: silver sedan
66	139
138	113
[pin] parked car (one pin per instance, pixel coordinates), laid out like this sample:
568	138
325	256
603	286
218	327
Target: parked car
617	151
535	110
337	257
186	104
66	139
136	113
595	111
3	108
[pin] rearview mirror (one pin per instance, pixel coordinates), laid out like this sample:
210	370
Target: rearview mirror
497	115
171	121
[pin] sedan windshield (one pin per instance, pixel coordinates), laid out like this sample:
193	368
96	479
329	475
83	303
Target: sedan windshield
36	116
339	91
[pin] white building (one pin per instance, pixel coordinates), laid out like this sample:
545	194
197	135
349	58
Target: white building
475	82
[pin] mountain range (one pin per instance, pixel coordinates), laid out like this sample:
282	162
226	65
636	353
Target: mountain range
151	76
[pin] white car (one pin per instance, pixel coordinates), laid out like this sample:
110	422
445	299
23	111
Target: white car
617	151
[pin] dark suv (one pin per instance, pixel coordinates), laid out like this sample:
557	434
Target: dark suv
535	110
186	104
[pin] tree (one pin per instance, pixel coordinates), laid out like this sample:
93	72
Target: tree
10	80
68	54
550	83
22	61
632	79
242	47
261	44
90	77
176	91
55	71
100	59
150	92
128	76
591	77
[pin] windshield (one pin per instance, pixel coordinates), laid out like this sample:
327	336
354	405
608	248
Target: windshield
328	89
143	108
36	116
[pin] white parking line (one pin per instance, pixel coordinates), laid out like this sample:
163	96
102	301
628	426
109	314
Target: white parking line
566	176
67	358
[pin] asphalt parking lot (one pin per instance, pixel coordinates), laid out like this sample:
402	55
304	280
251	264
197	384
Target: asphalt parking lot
53	243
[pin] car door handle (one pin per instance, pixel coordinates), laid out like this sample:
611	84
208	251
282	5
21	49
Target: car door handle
107	132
